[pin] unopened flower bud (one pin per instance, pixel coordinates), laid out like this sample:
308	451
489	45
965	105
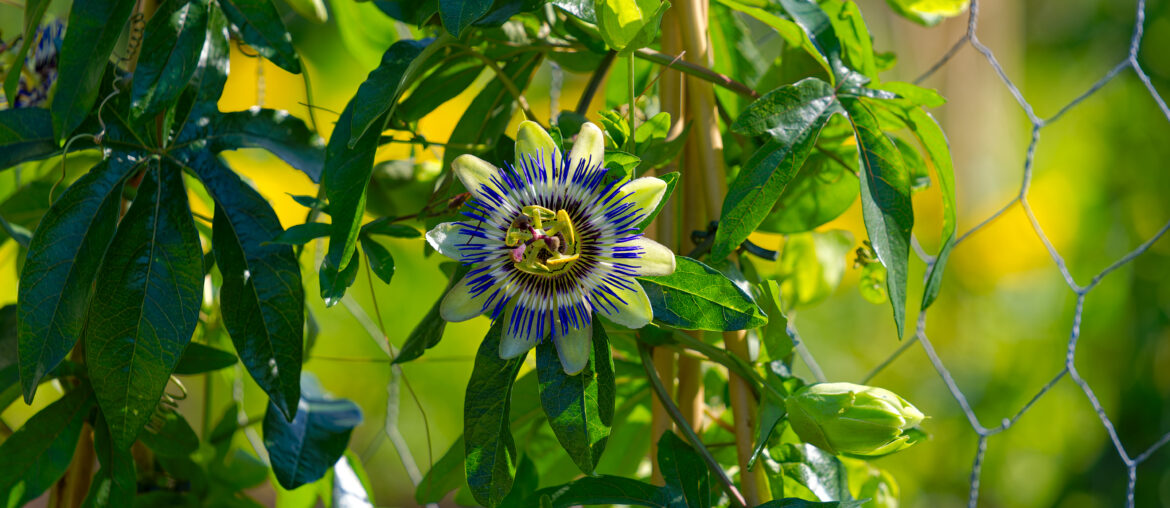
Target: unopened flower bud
849	419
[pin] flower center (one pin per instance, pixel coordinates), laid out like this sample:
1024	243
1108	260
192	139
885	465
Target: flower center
543	242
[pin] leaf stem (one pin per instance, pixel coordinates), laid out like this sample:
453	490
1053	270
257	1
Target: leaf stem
676	415
507	82
697	71
630	144
595	82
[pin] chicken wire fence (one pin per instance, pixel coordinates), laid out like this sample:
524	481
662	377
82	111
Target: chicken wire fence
984	433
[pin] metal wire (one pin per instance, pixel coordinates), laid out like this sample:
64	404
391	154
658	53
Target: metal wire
1069	368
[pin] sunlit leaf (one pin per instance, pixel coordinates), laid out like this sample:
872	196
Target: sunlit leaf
259	23
579	407
489	446
697	297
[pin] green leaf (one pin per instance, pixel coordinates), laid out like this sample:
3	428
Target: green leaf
63	259
770	412
429	331
380	259
212	72
347	172
627	25
928	12
278	132
258	22
381	89
809	472
25	208
811	266
302	450
301	234
854	35
579	408
25	134
915	94
792	33
684	471
821	191
38	453
523	494
778	344
459	15
384	226
885	199
607	489
931	136
94	28
793	116
488	116
171	46
698	297
915	164
34	12
671	180
262	299
145	303
174	437
334	282
489	447
198	359
115	484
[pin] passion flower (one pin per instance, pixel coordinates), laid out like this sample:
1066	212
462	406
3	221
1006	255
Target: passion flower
552	241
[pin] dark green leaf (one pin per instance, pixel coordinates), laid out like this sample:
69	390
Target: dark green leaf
171	45
240	470
25	134
384	226
583	9
199	358
278	132
258	22
212	72
885	199
777	343
380	259
490	112
523	494
442	85
697	297
173	438
262	299
770	412
489	447
580	407
684	471
819	28
301	234
606	489
34	12
347	173
334	283
808	471
63	259
795	115
459	15
38	453
792	33
145	304
9	365
381	89
115	484
793	502
915	164
671	180
935	142
429	331
94	28
303	449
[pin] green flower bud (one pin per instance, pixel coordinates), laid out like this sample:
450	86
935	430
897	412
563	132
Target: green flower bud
849	419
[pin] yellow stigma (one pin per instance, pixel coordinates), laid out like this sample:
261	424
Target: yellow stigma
543	242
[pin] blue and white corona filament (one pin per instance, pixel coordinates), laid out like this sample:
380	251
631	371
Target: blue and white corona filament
552	244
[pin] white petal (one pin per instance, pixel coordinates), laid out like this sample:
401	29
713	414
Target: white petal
459	304
516	342
446	238
654	258
646	192
574	348
473	171
589	147
633	311
532	142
